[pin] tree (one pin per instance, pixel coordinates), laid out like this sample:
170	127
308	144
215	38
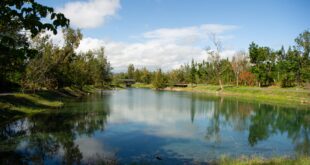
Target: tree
288	66
64	56
303	46
263	60
215	58
28	14
137	75
104	68
159	80
38	70
193	73
16	18
130	71
239	64
173	78
146	76
247	78
53	66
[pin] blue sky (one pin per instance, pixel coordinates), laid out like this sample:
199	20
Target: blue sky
267	22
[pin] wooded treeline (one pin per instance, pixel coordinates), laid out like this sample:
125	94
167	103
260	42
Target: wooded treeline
56	67
261	66
30	60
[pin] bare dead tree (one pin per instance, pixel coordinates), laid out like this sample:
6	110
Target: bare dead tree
239	63
215	57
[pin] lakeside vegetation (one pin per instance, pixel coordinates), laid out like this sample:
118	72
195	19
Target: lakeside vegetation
15	105
30	60
303	160
273	94
278	76
261	67
37	74
31	63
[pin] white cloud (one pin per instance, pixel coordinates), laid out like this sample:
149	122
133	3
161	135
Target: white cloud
166	48
188	35
91	13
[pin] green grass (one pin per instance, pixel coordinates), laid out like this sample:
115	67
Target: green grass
27	103
270	94
295	95
141	85
303	160
16	105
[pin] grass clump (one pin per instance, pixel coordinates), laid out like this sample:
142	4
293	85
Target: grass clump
26	103
302	160
141	85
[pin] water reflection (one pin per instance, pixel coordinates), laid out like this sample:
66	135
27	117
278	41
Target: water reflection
51	137
136	124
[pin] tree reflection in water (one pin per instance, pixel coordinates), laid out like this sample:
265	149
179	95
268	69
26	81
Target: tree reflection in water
168	119
37	139
260	120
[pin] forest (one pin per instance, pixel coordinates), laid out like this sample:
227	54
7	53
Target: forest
259	66
29	60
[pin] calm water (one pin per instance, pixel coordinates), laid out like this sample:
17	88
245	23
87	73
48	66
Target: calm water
155	127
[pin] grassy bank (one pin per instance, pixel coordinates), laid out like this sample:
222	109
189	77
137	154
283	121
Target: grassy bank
267	94
14	105
272	161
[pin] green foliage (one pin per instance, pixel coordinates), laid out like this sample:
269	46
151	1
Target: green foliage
264	64
102	70
27	103
57	67
146	76
16	19
29	14
303	46
193	72
287	68
130	71
159	80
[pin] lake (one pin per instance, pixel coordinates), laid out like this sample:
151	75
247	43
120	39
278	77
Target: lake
155	127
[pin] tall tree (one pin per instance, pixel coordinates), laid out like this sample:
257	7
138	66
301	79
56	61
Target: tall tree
263	60
17	17
215	59
288	67
303	46
159	80
130	71
146	76
193	73
239	63
104	68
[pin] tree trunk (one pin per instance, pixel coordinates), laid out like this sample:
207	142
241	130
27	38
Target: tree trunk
237	81
220	82
237	78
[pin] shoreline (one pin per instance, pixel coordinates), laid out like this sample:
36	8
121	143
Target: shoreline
300	97
18	104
